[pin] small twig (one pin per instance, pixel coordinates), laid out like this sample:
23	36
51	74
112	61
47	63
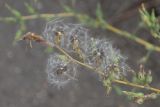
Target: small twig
36	16
135	38
47	15
33	37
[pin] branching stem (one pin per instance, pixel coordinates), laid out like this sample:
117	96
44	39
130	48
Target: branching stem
31	36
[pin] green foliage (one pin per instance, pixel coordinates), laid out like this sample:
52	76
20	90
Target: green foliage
100	17
63	58
19	33
87	20
150	20
146	57
112	75
68	9
15	12
18	19
99	12
49	50
118	90
30	9
140	97
107	85
142	77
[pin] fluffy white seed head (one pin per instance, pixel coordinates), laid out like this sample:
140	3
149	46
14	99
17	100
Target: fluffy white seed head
97	53
69	31
101	54
60	71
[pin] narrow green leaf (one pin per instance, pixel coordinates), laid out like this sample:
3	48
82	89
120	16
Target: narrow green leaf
149	77
15	12
118	90
63	58
99	12
30	8
49	49
67	8
18	34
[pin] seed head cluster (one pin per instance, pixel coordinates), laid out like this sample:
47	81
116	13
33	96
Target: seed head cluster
60	71
74	38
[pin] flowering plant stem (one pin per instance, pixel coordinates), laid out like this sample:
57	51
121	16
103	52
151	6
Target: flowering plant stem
33	37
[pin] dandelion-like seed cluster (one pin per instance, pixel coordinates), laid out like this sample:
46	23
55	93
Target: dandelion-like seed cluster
60	70
74	38
69	32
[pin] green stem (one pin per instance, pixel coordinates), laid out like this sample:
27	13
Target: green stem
135	38
36	16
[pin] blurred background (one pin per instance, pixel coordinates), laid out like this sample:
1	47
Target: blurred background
23	79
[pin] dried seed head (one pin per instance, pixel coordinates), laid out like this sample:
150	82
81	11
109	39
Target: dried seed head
114	58
53	28
60	71
98	53
77	35
68	34
102	55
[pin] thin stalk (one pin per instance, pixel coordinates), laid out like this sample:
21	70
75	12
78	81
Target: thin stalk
36	16
47	15
135	38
